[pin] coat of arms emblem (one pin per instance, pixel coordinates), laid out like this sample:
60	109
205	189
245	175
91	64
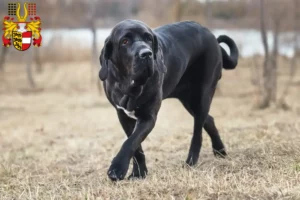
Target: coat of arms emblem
22	33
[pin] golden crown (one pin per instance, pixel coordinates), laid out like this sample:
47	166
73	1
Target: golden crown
22	18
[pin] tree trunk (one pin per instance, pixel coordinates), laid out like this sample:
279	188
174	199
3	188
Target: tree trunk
293	64
267	71
94	60
29	69
208	13
39	67
93	49
256	76
178	10
274	59
94	44
94	52
2	57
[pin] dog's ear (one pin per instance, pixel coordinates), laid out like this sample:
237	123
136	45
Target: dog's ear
158	56
105	55
155	46
159	59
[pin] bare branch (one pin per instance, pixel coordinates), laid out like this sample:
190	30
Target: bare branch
2	57
263	27
293	63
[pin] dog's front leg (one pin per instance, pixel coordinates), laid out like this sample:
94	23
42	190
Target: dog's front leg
120	163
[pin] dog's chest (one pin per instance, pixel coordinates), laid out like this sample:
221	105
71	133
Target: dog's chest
130	114
125	103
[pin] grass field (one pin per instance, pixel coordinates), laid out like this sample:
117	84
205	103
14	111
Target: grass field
57	141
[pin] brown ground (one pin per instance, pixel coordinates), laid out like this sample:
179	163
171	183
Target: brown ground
57	142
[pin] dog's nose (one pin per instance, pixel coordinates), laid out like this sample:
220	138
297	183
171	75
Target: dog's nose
145	53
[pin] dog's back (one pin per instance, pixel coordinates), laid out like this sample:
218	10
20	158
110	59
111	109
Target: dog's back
185	43
186	39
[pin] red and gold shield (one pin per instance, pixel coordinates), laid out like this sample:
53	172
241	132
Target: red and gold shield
22	41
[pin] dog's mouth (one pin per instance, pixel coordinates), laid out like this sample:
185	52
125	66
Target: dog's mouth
132	84
140	77
131	89
137	83
142	72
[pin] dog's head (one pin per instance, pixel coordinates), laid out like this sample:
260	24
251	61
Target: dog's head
130	53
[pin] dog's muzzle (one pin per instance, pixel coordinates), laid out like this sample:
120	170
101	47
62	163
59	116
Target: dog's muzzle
143	67
145	54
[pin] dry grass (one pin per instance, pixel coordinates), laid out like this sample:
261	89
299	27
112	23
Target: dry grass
57	143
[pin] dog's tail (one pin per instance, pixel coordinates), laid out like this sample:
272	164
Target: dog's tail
229	62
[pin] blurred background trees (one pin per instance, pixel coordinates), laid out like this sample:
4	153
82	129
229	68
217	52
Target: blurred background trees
279	20
77	13
60	17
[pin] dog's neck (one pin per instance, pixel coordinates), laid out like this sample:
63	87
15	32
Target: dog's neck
128	102
132	92
134	95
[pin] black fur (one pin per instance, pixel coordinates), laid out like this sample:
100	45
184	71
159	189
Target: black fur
183	61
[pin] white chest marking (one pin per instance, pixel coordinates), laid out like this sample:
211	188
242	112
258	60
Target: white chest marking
128	113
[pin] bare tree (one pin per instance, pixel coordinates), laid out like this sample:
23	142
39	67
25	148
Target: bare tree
293	63
178	11
208	17
38	62
274	58
256	72
92	27
266	67
208	13
94	51
29	72
2	58
270	60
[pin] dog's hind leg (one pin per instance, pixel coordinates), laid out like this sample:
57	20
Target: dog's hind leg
139	161
197	99
212	131
210	128
187	99
199	104
217	144
202	119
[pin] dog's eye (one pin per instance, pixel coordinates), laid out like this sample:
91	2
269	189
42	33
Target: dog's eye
125	41
148	39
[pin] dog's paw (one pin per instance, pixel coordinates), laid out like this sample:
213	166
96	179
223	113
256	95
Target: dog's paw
220	153
192	159
138	173
117	171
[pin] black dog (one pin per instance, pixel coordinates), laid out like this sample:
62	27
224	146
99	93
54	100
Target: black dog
141	67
